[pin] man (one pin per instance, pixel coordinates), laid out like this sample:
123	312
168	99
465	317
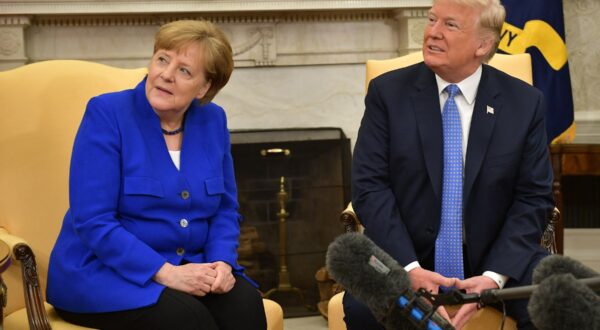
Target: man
416	179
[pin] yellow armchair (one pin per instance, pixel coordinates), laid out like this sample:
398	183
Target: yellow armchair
518	65
41	107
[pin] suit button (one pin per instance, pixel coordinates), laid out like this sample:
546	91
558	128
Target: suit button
430	230
185	194
180	251
183	223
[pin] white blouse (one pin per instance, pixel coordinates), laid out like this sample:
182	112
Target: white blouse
176	157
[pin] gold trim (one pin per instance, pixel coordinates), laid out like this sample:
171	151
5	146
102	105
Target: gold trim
567	136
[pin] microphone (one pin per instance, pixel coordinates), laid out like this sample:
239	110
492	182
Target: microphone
378	281
562	300
556	264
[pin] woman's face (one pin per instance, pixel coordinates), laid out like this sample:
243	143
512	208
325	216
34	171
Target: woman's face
176	78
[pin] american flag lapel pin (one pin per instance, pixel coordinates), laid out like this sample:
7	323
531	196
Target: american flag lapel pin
489	110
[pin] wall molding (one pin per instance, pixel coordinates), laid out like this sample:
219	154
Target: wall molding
219	18
588	126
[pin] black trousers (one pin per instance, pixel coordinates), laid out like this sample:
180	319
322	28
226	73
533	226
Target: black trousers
240	308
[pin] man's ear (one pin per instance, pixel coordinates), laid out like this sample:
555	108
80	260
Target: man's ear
485	46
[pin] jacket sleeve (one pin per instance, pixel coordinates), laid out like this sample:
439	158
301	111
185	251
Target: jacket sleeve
94	187
224	225
372	195
519	239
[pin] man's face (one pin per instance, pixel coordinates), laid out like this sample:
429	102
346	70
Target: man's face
452	46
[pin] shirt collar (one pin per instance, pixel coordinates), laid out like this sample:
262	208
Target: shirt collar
468	87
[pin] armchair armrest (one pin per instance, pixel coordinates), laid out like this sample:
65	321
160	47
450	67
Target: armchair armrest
350	220
10	239
34	301
549	236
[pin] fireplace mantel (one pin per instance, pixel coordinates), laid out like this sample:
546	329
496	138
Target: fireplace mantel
47	7
262	33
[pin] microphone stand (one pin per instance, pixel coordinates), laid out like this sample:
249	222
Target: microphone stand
490	296
422	315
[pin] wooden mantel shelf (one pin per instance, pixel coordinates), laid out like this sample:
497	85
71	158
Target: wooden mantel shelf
47	7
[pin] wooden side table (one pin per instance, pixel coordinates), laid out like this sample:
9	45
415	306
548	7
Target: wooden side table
571	159
4	263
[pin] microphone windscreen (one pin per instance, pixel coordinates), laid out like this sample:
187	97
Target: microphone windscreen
561	302
367	272
556	264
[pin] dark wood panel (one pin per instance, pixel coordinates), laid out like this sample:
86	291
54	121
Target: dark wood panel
571	160
581	164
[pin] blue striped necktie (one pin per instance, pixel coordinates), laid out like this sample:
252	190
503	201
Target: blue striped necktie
448	245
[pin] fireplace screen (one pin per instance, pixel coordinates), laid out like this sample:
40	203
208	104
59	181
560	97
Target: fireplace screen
292	186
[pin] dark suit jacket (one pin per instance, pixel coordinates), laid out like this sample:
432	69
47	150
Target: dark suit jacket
131	210
397	171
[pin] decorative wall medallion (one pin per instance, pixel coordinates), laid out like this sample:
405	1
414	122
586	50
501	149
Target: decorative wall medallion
9	43
416	31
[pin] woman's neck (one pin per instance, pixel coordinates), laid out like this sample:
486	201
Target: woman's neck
171	121
174	141
171	124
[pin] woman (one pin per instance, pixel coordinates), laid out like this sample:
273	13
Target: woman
150	238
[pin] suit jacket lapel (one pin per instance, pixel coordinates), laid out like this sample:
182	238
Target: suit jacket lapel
429	121
196	141
482	127
149	126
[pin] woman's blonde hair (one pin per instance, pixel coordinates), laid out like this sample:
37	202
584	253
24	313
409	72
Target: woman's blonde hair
217	52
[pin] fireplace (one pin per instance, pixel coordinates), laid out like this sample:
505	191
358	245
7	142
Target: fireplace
310	170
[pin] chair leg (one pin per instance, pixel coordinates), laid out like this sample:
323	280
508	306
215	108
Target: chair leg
34	302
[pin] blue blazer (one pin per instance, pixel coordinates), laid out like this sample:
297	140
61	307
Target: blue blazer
398	163
131	210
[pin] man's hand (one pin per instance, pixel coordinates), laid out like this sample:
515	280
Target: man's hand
225	280
430	281
474	284
195	279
